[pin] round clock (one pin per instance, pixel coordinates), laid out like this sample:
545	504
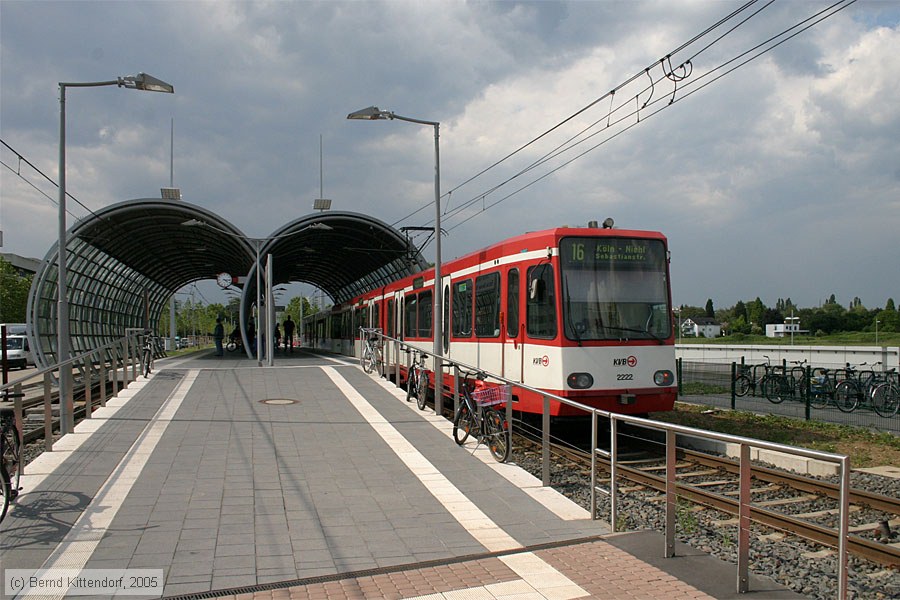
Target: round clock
224	280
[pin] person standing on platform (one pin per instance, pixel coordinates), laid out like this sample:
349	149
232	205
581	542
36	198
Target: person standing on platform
289	334
218	336
277	337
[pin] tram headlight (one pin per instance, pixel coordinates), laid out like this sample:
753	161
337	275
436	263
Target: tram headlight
663	378
580	381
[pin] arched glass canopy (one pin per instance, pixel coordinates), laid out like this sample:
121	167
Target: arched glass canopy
127	260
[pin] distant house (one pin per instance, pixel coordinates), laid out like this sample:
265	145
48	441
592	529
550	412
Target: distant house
780	330
701	327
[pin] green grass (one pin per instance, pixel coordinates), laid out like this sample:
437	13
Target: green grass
864	447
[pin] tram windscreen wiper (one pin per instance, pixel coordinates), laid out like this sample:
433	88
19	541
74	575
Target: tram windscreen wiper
629	329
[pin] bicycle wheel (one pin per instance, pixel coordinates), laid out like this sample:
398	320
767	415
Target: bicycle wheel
10	466
886	400
775	388
818	396
368	360
497	435
379	361
741	385
146	365
6	489
463	424
422	389
846	396
231	346
412	380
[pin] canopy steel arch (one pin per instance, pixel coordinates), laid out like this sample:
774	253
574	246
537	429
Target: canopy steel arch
126	261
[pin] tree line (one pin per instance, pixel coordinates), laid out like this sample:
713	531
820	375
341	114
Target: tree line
751	317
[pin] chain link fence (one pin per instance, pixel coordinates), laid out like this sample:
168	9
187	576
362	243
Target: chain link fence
713	384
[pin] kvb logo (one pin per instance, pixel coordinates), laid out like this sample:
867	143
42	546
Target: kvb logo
630	361
541	361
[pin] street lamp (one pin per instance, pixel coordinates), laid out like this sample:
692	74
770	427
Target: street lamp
373	113
876	331
141	81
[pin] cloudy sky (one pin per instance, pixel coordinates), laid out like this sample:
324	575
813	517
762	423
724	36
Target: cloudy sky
773	174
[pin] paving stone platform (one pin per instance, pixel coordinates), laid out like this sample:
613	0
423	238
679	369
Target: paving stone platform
314	480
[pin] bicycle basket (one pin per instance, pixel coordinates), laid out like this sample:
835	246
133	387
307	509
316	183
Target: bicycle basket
489	396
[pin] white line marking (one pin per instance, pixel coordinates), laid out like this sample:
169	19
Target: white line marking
81	541
533	569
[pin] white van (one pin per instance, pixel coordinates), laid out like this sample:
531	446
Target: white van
18	353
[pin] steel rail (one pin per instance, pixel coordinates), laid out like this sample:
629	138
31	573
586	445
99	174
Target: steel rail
881	553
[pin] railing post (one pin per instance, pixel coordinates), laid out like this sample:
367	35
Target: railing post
613	472
734	383
844	528
743	581
808	387
114	367
678	373
545	442
104	378
594	465
455	390
396	346
671	495
439	387
132	350
67	414
48	415
88	384
19	416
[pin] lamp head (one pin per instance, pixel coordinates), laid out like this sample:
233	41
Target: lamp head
373	113
147	83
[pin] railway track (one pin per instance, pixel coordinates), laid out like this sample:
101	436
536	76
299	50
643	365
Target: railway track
711	482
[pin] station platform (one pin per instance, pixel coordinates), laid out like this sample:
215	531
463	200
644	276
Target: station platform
312	479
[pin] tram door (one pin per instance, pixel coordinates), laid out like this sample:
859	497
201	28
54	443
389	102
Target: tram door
512	327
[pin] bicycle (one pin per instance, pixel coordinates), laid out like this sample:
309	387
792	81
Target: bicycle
371	357
477	416
147	355
854	389
234	343
746	380
821	388
886	395
11	452
417	380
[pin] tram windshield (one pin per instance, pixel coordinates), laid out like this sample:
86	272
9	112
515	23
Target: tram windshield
614	289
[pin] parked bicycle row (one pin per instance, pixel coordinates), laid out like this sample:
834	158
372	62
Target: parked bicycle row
477	414
848	389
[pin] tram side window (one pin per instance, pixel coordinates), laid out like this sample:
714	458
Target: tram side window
409	316
512	303
375	321
425	310
462	308
487	305
540	310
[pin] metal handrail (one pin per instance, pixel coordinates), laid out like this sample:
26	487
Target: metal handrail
671	430
85	364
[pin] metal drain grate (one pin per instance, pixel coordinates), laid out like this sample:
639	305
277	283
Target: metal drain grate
279	401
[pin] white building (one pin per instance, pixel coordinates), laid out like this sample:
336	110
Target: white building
701	327
780	330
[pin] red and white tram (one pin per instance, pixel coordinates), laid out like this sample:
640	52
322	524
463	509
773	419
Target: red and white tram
584	313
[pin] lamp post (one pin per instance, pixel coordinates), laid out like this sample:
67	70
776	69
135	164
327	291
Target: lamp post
143	82
876	331
794	320
373	113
